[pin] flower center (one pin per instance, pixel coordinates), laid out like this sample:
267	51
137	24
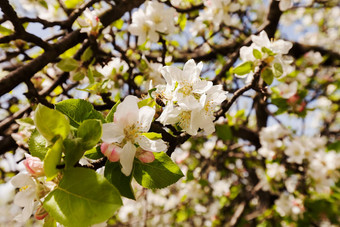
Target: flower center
185	119
130	132
24	188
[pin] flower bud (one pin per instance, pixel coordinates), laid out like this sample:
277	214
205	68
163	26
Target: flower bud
110	151
146	157
34	166
40	213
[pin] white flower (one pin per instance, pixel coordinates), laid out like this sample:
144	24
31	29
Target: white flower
276	171
90	24
162	18
295	152
26	196
148	23
113	67
270	52
288	205
288	90
189	86
154	76
130	122
142	27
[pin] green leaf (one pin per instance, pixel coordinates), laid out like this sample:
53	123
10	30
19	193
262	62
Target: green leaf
244	68
268	76
90	75
52	159
118	23
37	145
277	70
182	21
51	123
83	198
49	221
257	54
78	110
5	31
68	64
152	135
90	131
115	176
78	76
73	151
160	173
146	102
268	51
139	80
224	132
94	153
87	54
109	117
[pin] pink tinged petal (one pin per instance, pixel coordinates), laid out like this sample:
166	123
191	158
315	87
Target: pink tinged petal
111	151
112	133
34	166
126	158
151	145
146	157
127	111
40	213
145	117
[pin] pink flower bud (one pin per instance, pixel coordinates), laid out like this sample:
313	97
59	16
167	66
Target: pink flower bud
146	157
34	166
41	213
110	151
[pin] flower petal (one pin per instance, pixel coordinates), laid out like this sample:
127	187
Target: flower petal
126	158
151	145
112	133
127	111
145	117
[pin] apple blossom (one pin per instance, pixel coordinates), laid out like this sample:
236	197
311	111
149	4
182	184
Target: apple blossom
269	53
152	21
26	197
34	166
126	132
90	24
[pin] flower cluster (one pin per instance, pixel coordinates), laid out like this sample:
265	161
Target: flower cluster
216	12
153	20
124	138
33	189
308	155
189	101
270	55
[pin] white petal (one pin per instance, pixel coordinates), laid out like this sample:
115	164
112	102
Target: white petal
281	46
22	179
151	145
127	111
146	114
112	133
126	158
262	40
202	86
24	197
